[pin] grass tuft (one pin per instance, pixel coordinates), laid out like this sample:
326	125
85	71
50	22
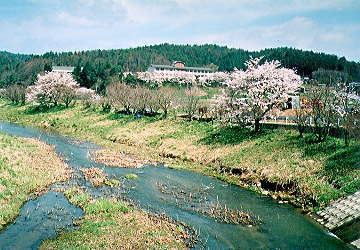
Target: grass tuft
105	206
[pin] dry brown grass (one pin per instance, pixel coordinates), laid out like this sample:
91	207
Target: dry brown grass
110	224
145	231
27	167
95	175
118	159
132	230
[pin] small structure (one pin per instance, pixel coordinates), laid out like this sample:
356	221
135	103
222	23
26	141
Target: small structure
179	66
63	69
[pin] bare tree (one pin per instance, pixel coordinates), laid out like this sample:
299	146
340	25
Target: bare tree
142	99
190	102
16	94
121	96
302	116
347	105
322	101
165	98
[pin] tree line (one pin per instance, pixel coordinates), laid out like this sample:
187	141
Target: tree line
95	68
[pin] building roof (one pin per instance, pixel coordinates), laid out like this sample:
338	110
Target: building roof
178	68
63	68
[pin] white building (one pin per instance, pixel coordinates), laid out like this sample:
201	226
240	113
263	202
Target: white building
179	66
63	69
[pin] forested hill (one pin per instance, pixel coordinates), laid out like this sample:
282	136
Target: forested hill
99	65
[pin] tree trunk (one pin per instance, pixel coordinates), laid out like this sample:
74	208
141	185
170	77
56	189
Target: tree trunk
346	138
257	125
301	132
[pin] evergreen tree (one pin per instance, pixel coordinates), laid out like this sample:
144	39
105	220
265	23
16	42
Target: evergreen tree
104	64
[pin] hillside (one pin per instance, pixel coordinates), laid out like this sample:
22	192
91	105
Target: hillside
99	65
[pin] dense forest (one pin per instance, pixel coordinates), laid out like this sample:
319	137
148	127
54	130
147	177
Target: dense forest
94	68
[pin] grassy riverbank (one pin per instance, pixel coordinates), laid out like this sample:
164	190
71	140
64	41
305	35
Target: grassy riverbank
275	162
27	167
110	224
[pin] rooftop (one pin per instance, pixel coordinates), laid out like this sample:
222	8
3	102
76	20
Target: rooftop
63	68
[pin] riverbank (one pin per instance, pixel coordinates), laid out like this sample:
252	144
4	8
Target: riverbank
275	162
27	168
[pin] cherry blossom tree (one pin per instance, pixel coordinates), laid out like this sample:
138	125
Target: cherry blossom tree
52	89
251	94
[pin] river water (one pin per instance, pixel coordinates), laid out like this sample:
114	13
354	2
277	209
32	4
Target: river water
281	226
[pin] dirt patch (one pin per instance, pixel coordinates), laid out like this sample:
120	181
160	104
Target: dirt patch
116	159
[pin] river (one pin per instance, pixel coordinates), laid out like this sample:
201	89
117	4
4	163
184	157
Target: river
281	226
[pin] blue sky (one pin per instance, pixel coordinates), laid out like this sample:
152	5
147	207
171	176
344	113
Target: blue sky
38	26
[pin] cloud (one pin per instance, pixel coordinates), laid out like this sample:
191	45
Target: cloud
299	32
68	19
249	24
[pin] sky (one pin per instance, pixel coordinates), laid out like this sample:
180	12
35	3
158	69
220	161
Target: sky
39	26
